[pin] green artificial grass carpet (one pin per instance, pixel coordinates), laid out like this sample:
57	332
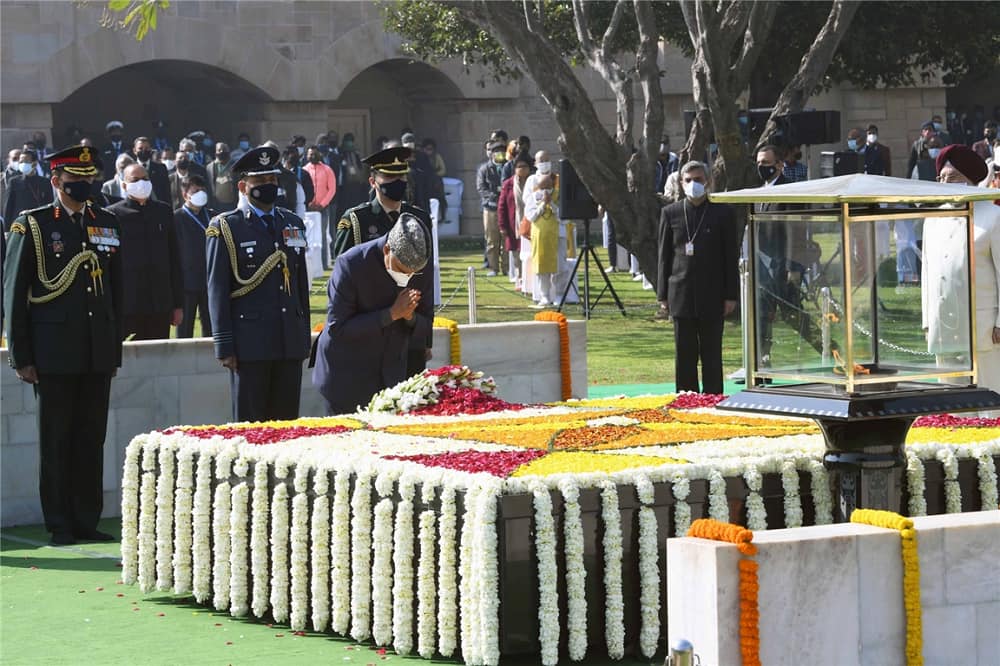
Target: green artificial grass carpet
67	605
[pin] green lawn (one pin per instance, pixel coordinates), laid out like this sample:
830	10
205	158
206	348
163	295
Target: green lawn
634	349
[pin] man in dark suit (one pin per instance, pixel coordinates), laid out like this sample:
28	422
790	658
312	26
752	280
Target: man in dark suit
154	295
116	146
373	219
377	302
783	253
698	278
142	150
66	339
27	190
258	293
191	221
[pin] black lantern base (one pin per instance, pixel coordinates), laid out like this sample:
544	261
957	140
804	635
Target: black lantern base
864	432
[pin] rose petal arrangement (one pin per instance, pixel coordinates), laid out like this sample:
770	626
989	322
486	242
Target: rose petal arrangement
387	525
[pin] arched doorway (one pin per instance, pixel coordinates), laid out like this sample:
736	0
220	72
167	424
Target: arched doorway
186	95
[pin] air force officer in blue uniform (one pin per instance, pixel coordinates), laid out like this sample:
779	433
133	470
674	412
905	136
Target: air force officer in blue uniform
258	294
378	301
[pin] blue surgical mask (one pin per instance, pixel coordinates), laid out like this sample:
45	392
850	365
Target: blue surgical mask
208	143
937	126
933	152
244	145
852	144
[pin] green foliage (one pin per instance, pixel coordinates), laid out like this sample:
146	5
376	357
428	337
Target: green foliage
891	43
135	16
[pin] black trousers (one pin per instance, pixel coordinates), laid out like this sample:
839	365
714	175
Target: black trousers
416	361
195	300
266	390
72	424
148	326
698	338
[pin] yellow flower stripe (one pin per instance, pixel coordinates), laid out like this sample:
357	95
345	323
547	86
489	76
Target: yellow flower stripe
454	337
307	422
640	402
911	575
951	435
577	462
732	419
680	432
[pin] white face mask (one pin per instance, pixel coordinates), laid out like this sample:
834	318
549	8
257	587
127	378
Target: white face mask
199	198
140	189
872	138
544	168
169	164
694	190
26	167
933	152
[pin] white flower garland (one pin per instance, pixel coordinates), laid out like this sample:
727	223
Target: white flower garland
447	619
165	519
340	553
279	544
183	509
468	596
319	538
130	510
488	575
681	488
576	573
147	520
299	538
201	553
952	491
402	569
986	469
361	553
239	549
756	513
614	608
382	573
220	530
819	487
915	484
649	569
792	501
426	592
259	539
718	503
548	594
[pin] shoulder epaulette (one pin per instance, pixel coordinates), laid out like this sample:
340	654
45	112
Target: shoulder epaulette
344	223
211	232
17	228
31	211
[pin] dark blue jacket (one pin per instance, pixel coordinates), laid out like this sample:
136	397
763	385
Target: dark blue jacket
268	323
362	350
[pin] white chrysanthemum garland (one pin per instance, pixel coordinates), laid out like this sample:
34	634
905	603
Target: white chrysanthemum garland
183	508
147	519
361	556
915	484
426	571
299	538
201	518
402	569
130	510
952	491
382	562
649	570
548	592
319	539
468	593
340	553
447	619
239	548
279	542
488	571
614	605
576	573
259	540
220	529
790	486
165	492
987	473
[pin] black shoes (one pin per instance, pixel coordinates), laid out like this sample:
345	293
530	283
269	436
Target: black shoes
62	539
94	535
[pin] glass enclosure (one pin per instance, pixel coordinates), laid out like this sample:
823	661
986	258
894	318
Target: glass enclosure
862	296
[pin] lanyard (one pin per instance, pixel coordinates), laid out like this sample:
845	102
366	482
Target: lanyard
687	227
194	217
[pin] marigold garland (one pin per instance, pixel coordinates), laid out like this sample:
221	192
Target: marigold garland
453	337
911	575
708	528
564	361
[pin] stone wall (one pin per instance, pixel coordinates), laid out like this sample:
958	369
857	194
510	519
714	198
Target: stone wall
172	382
833	595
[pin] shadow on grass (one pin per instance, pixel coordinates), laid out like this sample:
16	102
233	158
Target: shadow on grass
78	563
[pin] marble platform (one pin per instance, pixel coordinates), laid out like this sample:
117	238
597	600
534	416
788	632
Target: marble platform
832	595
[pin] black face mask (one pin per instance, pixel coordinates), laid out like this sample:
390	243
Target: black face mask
77	190
766	172
394	191
265	193
222	157
144	155
798	156
991	134
183	164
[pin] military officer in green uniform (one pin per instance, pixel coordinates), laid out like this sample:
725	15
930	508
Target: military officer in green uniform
374	219
258	293
63	299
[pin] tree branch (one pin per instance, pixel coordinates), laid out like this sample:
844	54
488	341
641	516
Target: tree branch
758	27
609	34
648	70
813	66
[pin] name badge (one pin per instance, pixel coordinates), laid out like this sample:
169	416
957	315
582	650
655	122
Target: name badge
248	243
103	236
689	249
294	237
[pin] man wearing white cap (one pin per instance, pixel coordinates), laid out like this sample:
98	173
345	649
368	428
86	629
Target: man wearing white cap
378	301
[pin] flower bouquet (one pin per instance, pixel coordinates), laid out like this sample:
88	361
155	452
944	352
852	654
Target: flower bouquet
449	390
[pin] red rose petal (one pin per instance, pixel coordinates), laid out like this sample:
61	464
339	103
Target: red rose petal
497	463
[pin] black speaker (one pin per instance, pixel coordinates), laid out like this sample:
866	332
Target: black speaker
575	202
840	164
809	128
